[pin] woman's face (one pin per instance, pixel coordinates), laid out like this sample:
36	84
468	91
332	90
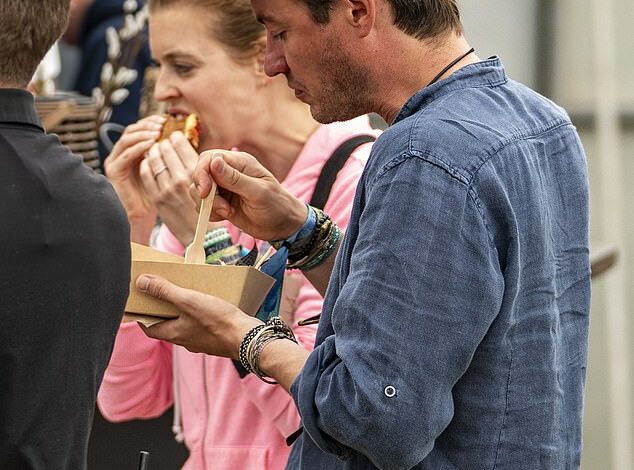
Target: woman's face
197	75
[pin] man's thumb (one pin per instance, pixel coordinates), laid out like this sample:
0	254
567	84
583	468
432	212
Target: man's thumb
227	177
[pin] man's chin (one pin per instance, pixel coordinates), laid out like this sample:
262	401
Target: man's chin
326	116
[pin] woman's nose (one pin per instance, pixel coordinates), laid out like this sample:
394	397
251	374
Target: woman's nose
163	90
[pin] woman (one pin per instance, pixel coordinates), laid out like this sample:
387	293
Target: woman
211	58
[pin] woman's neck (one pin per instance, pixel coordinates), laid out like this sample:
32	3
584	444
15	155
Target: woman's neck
277	140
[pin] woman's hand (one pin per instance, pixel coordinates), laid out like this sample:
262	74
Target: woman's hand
123	170
167	177
249	195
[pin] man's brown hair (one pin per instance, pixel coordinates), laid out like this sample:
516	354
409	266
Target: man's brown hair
28	29
422	19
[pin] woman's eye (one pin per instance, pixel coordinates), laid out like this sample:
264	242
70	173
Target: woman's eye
182	69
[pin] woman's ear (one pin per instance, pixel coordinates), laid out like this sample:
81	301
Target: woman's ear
258	62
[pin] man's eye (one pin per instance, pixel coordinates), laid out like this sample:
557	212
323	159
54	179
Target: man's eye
279	36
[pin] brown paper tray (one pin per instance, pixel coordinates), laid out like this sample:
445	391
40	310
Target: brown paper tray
242	286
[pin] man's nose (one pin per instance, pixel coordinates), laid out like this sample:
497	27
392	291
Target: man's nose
274	60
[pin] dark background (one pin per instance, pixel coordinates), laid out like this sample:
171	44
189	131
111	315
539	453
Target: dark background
117	445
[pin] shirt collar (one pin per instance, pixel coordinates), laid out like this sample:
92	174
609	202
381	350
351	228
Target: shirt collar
488	72
18	106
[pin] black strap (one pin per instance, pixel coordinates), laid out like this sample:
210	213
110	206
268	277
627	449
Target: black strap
332	167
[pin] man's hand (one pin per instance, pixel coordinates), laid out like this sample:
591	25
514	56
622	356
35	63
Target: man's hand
212	326
249	196
207	324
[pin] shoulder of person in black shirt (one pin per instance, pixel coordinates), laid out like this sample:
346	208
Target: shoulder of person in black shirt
64	279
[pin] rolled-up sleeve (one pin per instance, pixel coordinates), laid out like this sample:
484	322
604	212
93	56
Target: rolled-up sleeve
420	286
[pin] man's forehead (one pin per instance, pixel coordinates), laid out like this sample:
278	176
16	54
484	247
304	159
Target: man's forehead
273	11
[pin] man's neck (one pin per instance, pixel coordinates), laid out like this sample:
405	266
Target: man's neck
419	63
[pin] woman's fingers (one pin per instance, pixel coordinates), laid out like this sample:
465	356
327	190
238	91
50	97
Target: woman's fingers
128	139
185	151
153	170
145	129
172	160
119	165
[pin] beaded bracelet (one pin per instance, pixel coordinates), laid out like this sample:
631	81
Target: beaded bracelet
303	247
256	340
332	241
323	244
245	344
302	235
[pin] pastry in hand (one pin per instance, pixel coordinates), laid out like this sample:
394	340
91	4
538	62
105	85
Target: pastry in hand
188	125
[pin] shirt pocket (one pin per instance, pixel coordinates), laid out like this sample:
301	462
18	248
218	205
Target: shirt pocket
236	457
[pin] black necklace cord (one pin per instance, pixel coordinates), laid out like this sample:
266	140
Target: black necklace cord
454	62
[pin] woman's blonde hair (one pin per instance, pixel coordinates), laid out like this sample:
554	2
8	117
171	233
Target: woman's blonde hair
232	23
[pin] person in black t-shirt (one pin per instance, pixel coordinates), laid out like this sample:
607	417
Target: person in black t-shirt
65	264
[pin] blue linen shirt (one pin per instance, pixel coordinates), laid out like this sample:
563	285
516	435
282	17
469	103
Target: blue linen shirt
455	327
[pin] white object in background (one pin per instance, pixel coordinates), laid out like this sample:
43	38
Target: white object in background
612	216
48	70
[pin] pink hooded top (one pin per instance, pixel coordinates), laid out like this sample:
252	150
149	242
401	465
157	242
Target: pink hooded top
228	422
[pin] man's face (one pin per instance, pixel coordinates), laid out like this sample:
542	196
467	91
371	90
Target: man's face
316	59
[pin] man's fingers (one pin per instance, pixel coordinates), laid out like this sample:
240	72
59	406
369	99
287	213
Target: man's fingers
184	299
164	330
222	209
246	164
234	178
202	176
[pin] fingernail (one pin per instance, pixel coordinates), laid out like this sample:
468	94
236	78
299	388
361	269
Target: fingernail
142	283
219	163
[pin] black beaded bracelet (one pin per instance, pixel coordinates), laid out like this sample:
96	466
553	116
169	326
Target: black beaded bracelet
245	344
255	341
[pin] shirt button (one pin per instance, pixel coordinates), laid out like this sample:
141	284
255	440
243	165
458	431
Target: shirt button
390	391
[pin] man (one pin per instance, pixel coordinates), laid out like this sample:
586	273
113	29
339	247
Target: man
454	329
64	277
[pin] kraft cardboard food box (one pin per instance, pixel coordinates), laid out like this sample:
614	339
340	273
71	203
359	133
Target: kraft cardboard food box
243	286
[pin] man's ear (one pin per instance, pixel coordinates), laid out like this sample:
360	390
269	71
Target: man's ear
361	14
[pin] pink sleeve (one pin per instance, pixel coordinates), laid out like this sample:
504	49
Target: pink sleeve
138	380
273	401
167	242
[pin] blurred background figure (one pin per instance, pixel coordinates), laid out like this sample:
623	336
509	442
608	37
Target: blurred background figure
102	33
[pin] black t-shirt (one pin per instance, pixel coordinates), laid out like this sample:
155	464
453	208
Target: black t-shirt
64	279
